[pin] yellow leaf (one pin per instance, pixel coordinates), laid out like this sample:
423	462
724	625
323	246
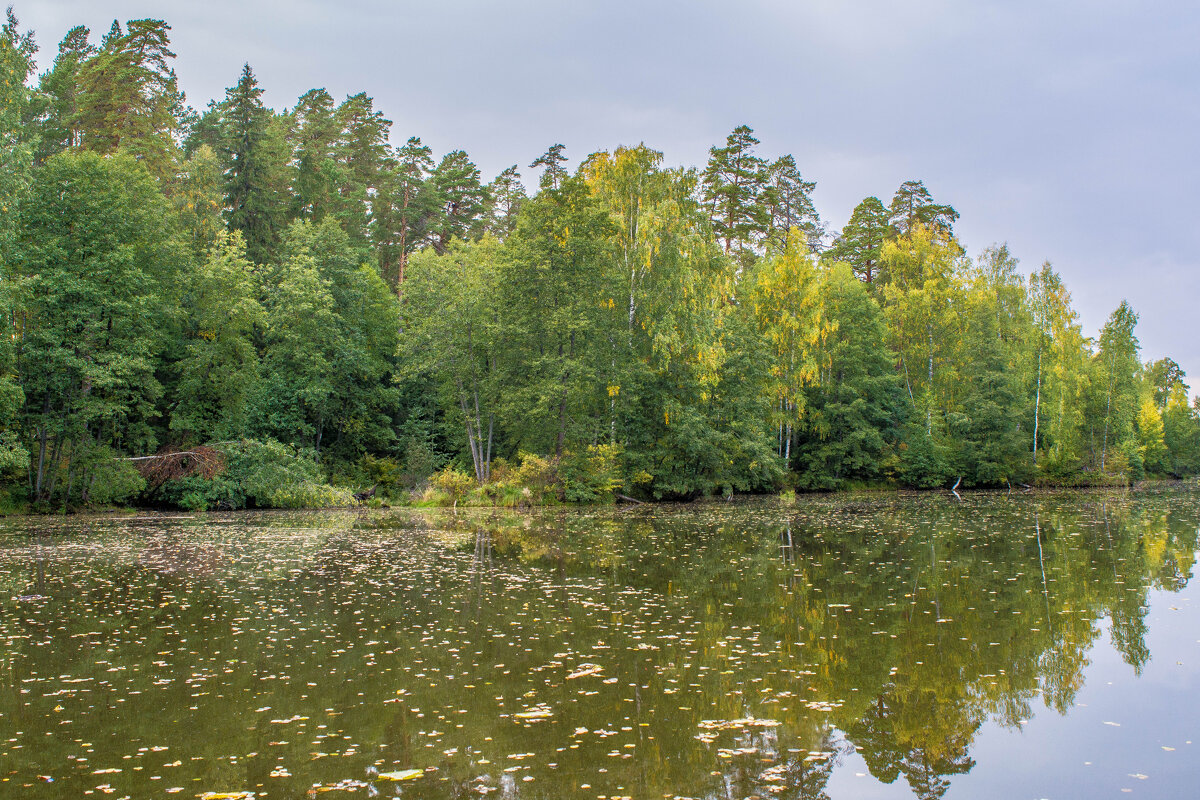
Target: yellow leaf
402	775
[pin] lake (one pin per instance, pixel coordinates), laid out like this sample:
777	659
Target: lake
1039	646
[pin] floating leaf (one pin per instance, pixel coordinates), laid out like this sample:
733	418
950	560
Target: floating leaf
402	775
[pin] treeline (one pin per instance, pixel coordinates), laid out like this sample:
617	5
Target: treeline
243	306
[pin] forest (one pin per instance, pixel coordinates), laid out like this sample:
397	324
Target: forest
238	306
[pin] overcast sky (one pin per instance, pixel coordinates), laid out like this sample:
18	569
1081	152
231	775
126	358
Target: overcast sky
1066	129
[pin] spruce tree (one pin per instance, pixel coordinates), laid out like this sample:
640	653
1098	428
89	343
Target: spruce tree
253	201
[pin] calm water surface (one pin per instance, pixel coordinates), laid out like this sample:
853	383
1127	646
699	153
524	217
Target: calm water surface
884	646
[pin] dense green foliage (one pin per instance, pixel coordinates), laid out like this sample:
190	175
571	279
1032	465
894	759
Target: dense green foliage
291	282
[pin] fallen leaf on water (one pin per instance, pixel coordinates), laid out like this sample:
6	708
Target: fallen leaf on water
585	670
541	712
402	775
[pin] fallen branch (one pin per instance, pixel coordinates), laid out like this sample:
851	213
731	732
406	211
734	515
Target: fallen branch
628	499
173	464
160	455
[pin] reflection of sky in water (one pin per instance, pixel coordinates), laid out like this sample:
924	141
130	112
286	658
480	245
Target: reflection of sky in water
715	651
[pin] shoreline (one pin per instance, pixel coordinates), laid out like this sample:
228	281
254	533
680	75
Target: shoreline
624	506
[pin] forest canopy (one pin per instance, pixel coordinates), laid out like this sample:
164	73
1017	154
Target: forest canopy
242	306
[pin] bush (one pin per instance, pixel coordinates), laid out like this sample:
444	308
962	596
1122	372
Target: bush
533	481
112	479
592	476
385	474
452	483
923	463
14	458
258	474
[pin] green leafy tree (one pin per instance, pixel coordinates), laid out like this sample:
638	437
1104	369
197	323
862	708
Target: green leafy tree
557	304
1181	433
16	155
1114	397
1164	376
1151	443
451	329
199	199
855	407
787	306
330	344
984	427
218	374
97	260
923	275
1059	371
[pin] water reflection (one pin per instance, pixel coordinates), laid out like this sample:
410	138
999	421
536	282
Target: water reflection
725	651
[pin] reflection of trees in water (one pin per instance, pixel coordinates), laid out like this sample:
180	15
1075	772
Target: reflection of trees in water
918	623
1005	601
927	775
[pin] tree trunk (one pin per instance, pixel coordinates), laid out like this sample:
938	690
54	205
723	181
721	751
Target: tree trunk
929	408
43	436
487	462
475	459
1104	441
1037	403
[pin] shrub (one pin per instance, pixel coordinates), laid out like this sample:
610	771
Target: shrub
923	462
260	474
385	474
113	479
453	483
592	476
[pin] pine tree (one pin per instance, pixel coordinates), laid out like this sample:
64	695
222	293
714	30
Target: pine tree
313	136
505	196
361	152
861	241
60	124
463	200
128	98
733	184
17	51
789	202
553	172
912	204
404	210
